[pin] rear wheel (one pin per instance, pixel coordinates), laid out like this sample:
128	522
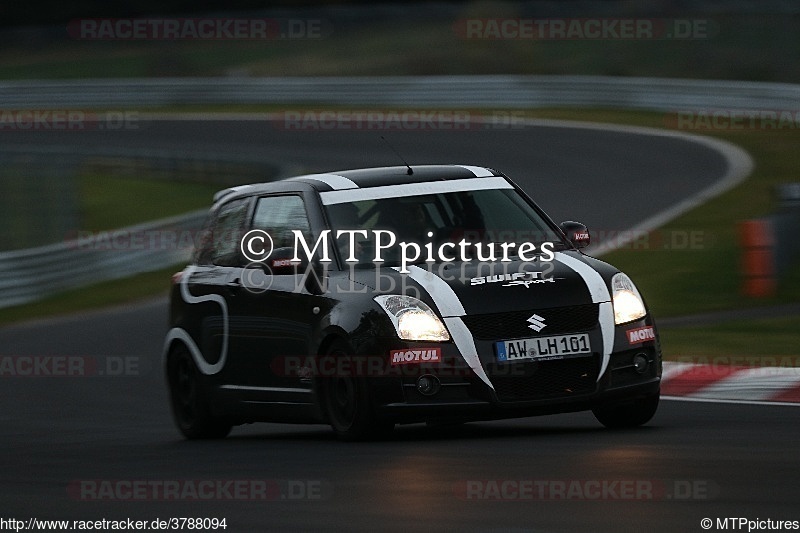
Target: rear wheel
346	400
629	414
189	406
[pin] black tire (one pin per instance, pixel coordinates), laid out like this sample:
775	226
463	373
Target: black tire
346	402
190	407
629	414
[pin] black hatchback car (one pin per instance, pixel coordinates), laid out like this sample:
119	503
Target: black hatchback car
367	298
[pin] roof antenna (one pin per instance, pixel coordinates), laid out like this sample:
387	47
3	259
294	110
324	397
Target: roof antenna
410	171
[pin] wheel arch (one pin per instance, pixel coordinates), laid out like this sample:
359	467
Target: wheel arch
329	336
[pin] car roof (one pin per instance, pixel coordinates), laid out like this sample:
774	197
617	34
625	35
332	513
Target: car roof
362	178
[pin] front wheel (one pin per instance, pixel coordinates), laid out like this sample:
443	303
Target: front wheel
189	406
346	401
629	414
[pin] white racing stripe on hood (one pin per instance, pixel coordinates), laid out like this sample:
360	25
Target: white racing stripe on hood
181	334
600	295
452	310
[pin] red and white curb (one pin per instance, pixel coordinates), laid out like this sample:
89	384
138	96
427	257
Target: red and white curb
731	383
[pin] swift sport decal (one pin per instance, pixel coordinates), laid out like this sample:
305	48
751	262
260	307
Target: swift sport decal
181	334
528	282
600	295
525	279
451	309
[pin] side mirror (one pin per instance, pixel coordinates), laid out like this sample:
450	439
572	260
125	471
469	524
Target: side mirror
577	233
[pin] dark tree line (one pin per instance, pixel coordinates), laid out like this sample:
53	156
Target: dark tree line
48	12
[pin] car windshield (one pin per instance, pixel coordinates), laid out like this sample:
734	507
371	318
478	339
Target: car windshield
485	217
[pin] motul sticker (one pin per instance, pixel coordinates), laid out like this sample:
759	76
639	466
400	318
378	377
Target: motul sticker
635	336
425	355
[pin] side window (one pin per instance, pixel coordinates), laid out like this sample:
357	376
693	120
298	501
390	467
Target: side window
278	216
220	238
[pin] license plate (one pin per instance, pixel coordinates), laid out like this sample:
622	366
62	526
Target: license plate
542	347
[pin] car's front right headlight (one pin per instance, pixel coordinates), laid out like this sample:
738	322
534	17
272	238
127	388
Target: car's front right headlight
628	304
412	318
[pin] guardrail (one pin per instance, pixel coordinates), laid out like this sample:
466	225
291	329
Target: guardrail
502	91
27	275
33	273
30	274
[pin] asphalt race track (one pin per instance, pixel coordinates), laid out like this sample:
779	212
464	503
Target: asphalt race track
606	179
88	447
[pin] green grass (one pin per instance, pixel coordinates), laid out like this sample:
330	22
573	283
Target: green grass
107	293
112	202
762	339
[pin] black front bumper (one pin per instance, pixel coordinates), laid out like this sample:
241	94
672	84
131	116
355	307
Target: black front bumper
526	389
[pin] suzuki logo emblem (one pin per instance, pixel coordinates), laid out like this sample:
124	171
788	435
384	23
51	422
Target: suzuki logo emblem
537	323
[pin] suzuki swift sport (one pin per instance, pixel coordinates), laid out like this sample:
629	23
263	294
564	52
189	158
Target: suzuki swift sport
369	298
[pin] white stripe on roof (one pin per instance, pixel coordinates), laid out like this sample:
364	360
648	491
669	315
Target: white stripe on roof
335	181
478	171
414	189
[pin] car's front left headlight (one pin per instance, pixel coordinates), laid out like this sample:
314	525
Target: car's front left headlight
628	304
413	319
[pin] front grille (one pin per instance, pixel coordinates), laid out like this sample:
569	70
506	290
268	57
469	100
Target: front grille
514	324
538	380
